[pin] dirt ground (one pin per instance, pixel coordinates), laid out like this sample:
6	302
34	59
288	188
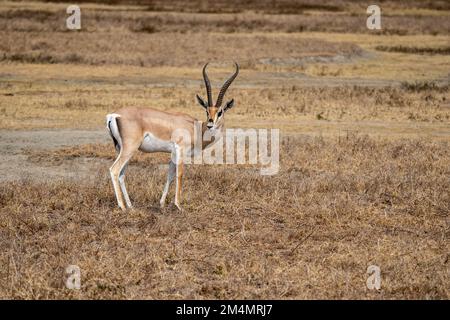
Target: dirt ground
15	164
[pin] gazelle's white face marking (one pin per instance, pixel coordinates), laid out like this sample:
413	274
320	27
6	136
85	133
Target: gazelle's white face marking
150	143
214	118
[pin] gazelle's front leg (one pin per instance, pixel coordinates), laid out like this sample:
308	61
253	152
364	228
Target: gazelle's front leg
170	176
178	185
179	173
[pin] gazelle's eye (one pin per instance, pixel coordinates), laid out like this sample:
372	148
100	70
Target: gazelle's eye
219	114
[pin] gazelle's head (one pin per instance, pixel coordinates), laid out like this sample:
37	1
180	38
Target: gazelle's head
215	113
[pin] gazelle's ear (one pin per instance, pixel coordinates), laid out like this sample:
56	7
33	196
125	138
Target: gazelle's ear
202	102
229	105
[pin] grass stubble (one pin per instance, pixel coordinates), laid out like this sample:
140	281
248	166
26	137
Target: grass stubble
336	207
342	201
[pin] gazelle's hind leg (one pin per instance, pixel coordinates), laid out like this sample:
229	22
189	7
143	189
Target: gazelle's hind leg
122	185
170	176
117	172
115	182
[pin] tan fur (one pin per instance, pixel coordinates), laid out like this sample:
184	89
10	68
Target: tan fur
151	130
133	124
212	111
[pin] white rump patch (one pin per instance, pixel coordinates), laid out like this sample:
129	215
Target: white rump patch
111	116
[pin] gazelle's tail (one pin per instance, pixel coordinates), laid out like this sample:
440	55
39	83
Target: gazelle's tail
113	128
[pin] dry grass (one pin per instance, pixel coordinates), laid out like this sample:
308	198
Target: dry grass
267	41
98	151
415	50
56	105
347	204
343	200
152	50
230	17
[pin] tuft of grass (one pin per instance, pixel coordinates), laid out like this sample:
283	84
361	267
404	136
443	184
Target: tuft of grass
29	58
420	86
147	25
40	57
32	14
414	50
234	6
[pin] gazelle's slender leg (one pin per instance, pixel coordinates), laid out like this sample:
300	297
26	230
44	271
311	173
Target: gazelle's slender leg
170	176
179	181
115	183
117	176
122	185
179	173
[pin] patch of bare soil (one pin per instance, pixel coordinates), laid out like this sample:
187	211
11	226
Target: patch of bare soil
15	165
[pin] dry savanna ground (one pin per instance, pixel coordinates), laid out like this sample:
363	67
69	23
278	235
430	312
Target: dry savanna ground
364	176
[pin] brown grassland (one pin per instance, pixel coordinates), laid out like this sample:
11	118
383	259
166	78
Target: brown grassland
364	176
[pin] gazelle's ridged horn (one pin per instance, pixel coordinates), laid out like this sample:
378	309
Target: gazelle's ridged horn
207	85
225	86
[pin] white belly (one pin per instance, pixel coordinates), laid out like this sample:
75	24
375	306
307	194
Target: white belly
153	144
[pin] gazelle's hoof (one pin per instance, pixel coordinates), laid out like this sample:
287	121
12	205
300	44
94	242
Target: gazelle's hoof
178	206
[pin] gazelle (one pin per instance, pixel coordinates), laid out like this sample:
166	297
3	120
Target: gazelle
151	130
